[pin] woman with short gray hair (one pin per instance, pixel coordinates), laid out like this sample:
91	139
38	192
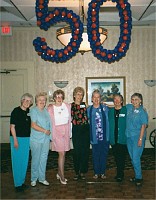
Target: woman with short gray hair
19	140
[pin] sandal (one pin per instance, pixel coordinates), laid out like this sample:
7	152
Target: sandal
95	176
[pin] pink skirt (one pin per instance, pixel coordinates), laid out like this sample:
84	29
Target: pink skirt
61	141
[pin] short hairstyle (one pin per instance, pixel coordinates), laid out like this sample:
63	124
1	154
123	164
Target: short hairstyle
76	90
57	92
139	96
121	97
97	92
29	96
41	94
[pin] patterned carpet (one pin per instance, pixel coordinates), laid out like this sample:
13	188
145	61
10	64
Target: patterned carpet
148	160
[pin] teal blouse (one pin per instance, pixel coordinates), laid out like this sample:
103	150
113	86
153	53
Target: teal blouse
121	125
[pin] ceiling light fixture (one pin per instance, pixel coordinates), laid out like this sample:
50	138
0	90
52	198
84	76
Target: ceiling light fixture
64	34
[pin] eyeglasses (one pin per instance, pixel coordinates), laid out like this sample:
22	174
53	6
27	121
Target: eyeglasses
28	101
59	97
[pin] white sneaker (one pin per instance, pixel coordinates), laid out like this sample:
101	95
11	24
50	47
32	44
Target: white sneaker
33	183
44	182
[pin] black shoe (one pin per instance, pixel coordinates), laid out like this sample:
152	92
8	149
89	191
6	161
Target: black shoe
19	189
138	182
76	177
82	176
25	186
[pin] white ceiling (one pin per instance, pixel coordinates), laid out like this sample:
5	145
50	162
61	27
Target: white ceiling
21	13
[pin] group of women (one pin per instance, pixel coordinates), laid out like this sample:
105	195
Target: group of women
42	128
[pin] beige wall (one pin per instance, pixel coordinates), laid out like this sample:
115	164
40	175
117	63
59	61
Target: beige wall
137	66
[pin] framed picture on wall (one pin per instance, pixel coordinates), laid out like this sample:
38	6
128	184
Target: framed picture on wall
108	86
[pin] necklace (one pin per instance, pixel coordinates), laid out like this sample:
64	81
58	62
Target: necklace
117	112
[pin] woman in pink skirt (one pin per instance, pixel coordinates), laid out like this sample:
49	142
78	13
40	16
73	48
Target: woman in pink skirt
60	114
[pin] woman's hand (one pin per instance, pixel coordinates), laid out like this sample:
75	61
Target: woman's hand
16	143
47	132
139	142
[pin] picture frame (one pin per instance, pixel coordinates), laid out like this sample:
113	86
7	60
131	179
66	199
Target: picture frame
108	86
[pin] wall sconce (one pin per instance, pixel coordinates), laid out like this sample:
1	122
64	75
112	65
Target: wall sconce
150	83
61	84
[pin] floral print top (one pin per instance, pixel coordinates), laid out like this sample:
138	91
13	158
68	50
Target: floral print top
99	130
79	114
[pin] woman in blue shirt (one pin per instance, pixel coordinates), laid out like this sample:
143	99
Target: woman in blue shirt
137	120
39	139
99	134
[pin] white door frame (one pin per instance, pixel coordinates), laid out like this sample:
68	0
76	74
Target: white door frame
29	66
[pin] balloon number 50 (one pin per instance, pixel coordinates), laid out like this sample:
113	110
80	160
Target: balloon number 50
47	18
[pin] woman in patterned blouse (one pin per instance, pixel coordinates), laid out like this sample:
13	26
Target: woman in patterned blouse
80	134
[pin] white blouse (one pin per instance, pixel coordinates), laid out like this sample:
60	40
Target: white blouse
61	114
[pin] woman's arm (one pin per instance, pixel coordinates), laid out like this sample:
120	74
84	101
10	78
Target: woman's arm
13	132
143	127
40	129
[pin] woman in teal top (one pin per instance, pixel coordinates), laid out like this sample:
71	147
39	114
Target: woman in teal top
39	139
117	127
137	120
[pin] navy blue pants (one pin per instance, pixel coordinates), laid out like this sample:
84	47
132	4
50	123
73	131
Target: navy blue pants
100	152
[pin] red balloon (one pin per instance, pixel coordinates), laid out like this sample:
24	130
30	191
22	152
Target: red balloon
43	39
74	19
41	1
124	37
93	12
109	56
65	51
39	53
121	1
74	44
93	25
103	54
51	15
94	32
98	51
56	12
93	5
60	54
47	19
125	25
126	18
41	6
53	52
120	49
97	44
125	31
123	5
38	23
69	48
75	37
76	25
44	46
69	15
76	31
94	37
63	13
125	12
49	51
93	19
39	14
123	44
